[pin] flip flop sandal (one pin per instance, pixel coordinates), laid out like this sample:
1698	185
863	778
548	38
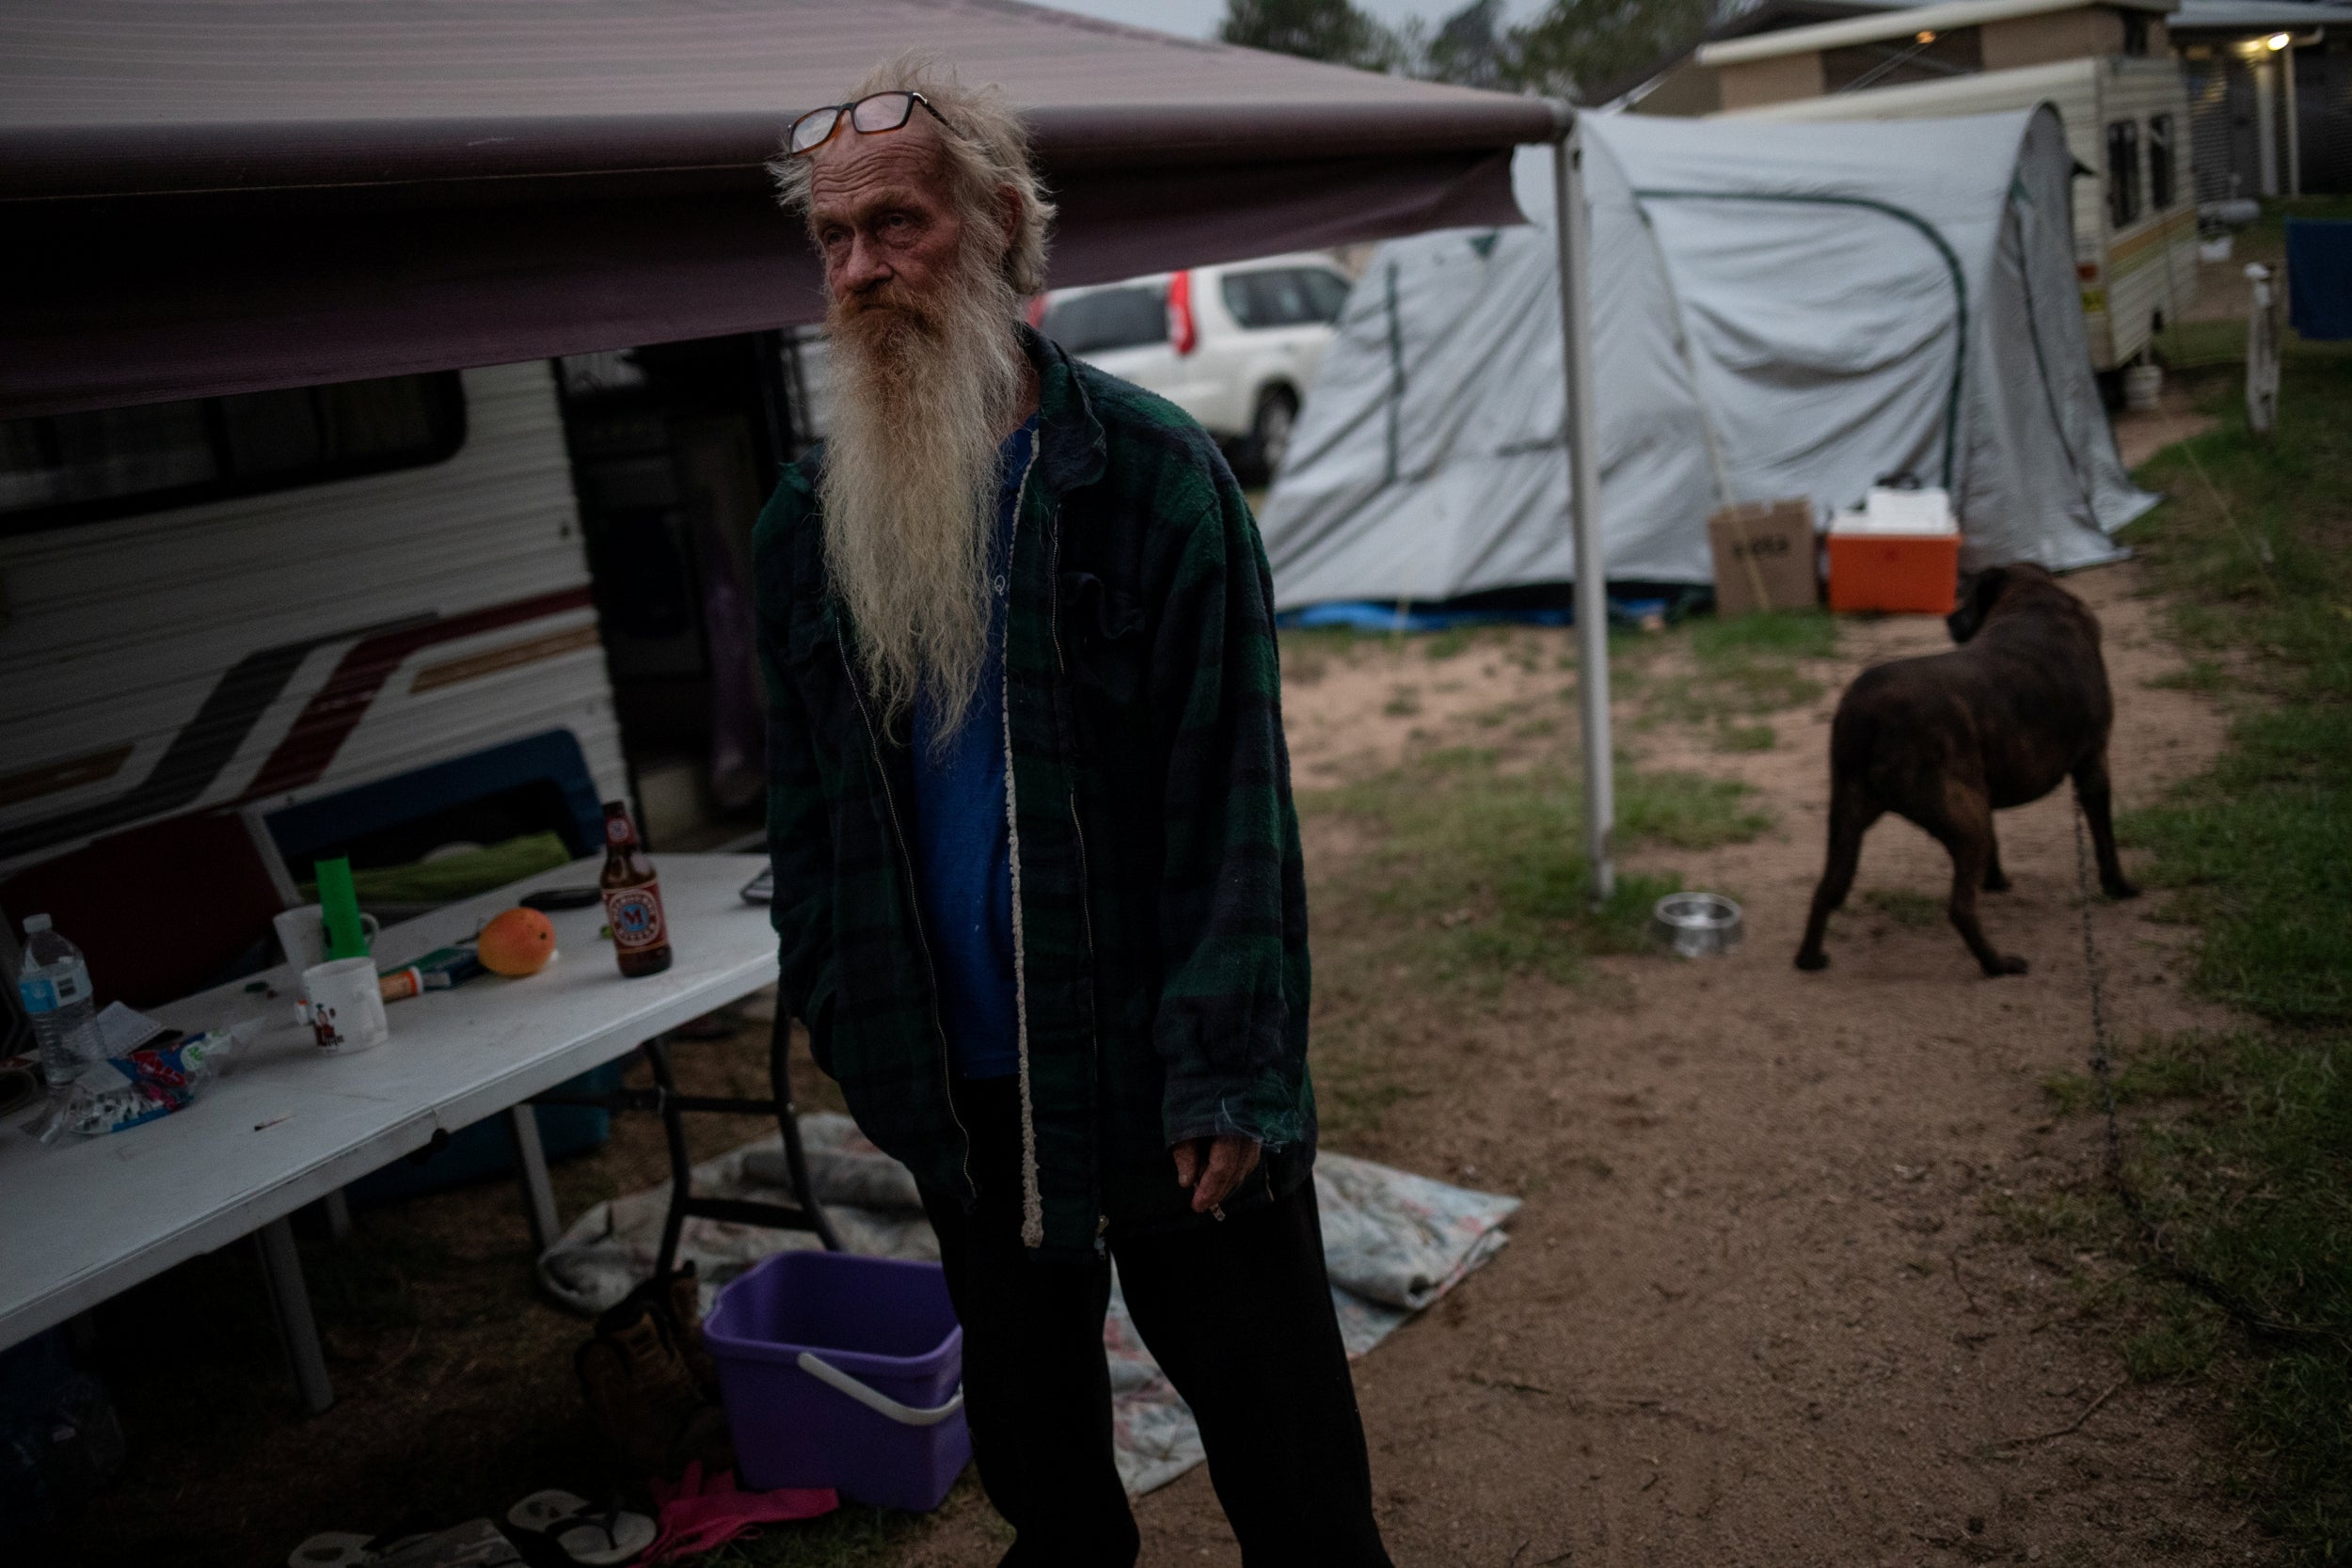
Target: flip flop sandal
334	1548
342	1548
591	1538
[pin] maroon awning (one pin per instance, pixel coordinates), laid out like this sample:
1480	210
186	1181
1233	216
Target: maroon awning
216	196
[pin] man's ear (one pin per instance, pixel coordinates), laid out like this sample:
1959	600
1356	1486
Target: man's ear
1982	592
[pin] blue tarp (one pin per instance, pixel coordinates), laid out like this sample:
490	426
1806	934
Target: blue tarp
2319	278
1374	615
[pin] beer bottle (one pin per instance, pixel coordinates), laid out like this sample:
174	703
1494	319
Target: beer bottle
633	898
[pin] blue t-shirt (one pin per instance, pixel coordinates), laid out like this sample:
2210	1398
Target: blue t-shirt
962	850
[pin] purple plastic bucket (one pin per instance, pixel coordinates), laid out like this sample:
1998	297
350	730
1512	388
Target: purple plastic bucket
846	1372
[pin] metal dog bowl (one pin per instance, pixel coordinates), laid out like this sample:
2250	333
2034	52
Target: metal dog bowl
1697	923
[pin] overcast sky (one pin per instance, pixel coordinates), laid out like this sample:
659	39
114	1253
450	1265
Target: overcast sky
1199	18
1531	168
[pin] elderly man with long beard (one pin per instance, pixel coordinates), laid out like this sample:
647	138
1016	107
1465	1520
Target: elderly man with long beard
1038	876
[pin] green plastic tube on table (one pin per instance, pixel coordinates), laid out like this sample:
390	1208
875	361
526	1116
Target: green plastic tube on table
338	903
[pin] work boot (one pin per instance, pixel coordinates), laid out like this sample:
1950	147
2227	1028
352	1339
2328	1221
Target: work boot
684	1301
643	1396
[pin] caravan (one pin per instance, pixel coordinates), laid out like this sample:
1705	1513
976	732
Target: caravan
2105	65
375	619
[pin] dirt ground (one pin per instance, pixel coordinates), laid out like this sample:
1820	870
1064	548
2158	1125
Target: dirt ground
1775	1296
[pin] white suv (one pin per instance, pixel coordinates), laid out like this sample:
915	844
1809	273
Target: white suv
1234	346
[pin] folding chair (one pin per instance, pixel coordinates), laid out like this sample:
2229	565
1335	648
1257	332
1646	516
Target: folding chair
672	1108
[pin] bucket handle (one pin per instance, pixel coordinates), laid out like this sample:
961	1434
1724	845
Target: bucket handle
874	1399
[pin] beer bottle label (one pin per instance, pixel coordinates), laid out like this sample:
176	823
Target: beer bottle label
635	915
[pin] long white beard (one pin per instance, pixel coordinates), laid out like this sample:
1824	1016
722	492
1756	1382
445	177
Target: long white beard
922	389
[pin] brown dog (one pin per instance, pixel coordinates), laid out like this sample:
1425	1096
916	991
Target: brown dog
1949	739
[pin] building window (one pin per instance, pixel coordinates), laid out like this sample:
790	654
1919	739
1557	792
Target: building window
2136	34
2160	161
2123	173
60	469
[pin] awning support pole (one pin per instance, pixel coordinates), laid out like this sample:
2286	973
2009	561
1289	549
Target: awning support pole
1571	230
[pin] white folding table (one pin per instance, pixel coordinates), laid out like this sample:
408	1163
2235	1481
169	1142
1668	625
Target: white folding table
84	1218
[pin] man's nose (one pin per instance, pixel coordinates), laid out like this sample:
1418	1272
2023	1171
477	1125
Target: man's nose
866	265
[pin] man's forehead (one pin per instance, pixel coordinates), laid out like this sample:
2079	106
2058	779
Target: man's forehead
854	165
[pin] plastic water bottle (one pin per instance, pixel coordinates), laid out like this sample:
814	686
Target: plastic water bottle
55	988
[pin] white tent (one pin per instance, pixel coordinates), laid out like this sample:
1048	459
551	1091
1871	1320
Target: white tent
1778	310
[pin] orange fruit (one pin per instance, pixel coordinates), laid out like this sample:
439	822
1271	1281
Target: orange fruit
520	941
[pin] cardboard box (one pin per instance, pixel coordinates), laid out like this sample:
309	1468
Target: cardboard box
1764	556
1903	573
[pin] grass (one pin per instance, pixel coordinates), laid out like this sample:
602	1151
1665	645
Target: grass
1446	645
1745	668
854	1536
1905	906
1308	652
2242	1141
2245	1158
2208	675
1745	737
1774	633
2188	345
1481	869
2259	851
1472	883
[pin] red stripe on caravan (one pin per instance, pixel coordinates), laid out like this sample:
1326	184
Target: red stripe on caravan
327	720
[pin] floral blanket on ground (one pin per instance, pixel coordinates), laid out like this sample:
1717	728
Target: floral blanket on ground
1393	1241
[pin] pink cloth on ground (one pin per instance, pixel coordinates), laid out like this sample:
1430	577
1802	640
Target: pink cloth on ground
701	1514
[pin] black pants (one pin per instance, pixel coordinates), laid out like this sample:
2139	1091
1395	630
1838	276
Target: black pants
1239	1316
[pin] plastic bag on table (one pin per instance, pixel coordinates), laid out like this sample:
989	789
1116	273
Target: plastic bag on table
131	1089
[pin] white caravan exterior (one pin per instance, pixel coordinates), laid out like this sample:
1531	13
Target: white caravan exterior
255	654
2134	276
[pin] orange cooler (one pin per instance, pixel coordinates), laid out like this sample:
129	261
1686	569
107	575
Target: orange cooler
1916	573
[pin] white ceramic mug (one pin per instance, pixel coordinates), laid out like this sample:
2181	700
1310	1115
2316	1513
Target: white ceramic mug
302	933
343	1007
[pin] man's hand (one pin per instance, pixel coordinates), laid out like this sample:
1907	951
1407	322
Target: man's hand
1213	1169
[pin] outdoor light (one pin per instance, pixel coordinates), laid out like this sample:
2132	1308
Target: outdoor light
1926	38
2278	40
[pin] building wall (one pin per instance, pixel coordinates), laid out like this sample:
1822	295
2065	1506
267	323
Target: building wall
2051	35
2226	100
1689	90
1752	84
2323	92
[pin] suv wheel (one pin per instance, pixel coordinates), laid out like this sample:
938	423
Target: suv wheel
1270	430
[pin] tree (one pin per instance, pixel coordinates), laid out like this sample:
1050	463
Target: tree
1578	48
1332	30
1575	49
1469	48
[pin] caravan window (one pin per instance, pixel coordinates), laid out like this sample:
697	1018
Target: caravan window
2123	172
78	468
2159	162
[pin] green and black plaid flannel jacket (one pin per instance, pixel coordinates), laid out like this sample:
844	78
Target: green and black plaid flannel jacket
1160	904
